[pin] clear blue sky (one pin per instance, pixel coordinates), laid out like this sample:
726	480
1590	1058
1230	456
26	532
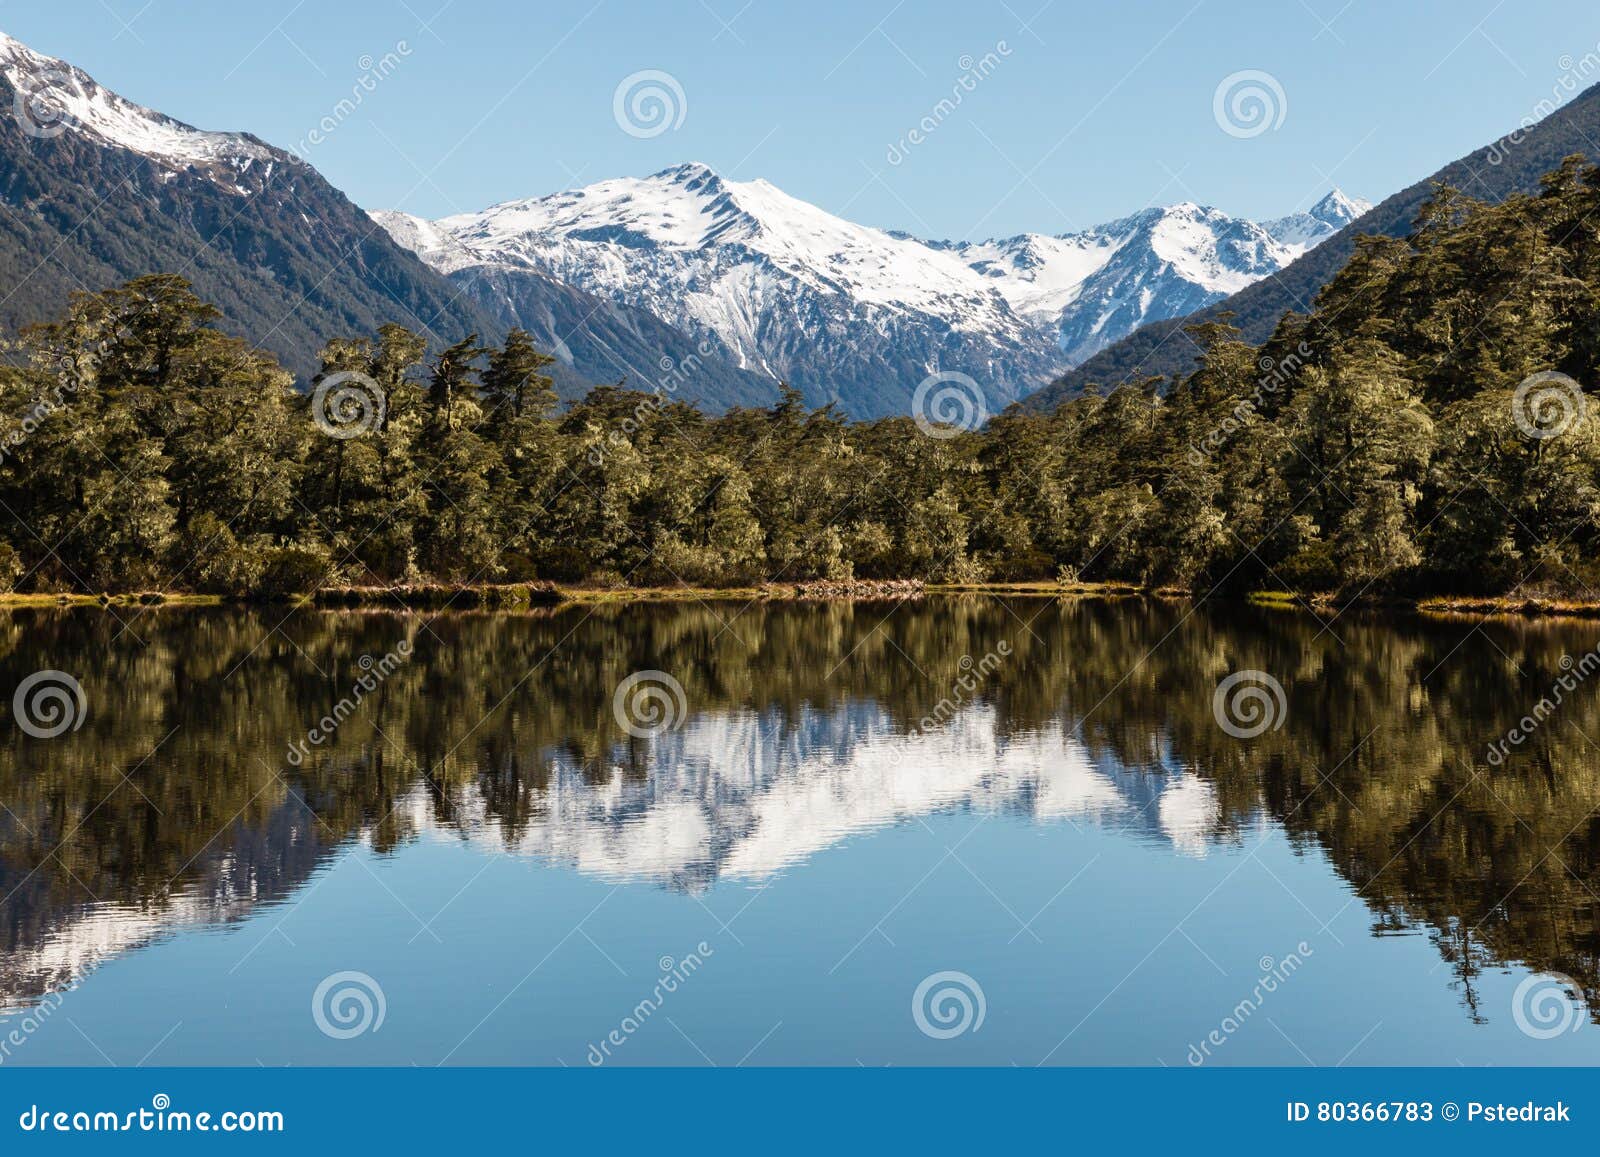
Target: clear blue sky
1093	111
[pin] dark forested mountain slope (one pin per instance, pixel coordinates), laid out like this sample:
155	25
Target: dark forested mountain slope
1512	164
95	189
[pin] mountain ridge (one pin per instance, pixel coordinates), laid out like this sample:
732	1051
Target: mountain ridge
713	289
253	227
1155	262
106	189
1160	349
775	286
850	313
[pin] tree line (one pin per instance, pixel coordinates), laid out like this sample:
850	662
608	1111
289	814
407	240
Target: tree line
1424	426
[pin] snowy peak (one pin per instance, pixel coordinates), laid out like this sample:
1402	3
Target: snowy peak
438	247
285	255
1320	222
1094	287
1208	248
691	212
687	207
1203	246
53	97
1338	210
769	283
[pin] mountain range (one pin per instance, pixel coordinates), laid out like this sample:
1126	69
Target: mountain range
716	289
95	189
1514	163
847	313
685	280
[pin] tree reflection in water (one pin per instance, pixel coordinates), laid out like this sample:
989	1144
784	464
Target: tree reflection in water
175	802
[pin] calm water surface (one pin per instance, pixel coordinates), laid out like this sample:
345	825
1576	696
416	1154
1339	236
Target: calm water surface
485	864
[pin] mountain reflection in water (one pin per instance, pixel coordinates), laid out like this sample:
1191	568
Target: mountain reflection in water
175	803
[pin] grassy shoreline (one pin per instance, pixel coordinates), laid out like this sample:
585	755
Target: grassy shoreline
134	599
543	596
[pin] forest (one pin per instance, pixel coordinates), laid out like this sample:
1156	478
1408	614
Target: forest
1422	427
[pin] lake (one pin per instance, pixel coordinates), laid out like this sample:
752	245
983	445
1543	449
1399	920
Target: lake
962	830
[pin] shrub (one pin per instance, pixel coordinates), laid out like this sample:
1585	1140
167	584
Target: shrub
297	568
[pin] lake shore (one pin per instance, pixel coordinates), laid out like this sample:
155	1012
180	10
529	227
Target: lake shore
511	597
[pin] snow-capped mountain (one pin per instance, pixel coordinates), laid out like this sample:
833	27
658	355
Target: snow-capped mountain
96	189
721	288
844	312
1318	223
1092	288
52	97
855	314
